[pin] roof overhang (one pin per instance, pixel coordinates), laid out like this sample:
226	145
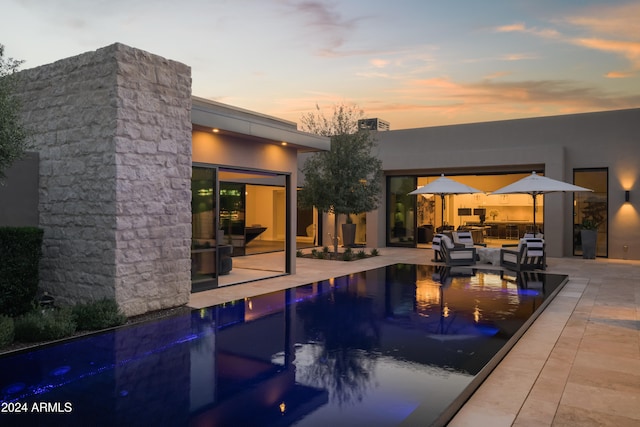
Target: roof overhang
248	124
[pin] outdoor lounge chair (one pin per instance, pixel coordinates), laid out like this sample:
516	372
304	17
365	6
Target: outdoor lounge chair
528	255
436	246
465	238
449	253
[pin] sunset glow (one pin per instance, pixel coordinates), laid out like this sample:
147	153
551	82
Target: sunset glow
412	63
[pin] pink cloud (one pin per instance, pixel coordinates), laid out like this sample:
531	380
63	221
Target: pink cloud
628	49
620	74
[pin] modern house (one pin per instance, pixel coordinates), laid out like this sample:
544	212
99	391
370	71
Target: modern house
121	146
599	151
147	193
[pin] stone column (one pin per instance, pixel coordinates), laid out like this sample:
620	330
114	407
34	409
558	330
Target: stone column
113	132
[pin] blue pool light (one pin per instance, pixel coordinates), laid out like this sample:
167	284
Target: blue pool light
13	388
61	370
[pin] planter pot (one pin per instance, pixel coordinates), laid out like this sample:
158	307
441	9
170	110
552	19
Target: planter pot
589	239
348	235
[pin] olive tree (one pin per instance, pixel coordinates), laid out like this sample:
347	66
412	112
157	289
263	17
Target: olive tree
13	135
347	178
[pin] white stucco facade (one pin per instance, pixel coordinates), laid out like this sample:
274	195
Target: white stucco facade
557	145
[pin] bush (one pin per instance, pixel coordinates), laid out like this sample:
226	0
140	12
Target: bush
7	329
361	254
347	255
374	252
44	325
100	314
20	252
299	253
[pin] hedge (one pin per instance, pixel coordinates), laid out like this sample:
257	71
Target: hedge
20	252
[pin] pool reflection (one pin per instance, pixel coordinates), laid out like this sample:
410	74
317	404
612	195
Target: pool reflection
370	348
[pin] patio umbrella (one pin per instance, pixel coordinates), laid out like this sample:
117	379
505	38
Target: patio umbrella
535	184
443	186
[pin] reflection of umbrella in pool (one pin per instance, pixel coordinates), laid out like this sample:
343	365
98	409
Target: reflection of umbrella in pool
535	184
444	186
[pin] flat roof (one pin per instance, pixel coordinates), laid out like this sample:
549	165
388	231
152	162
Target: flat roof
211	114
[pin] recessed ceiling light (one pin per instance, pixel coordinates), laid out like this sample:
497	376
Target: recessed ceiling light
283	143
215	130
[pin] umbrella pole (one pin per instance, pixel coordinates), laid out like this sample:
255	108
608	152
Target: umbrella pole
442	211
535	230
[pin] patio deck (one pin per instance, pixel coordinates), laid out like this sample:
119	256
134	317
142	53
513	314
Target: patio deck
578	364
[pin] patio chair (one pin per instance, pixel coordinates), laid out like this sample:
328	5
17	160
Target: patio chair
449	253
436	244
465	238
533	235
528	255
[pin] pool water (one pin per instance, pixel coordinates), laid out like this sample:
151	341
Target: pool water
399	345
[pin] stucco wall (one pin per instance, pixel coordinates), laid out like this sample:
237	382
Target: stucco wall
558	144
113	132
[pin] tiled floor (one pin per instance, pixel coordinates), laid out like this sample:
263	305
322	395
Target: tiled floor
578	365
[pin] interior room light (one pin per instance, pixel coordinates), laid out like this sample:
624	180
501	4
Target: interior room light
283	143
626	196
215	130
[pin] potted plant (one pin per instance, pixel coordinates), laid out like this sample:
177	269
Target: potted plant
346	179
593	214
348	232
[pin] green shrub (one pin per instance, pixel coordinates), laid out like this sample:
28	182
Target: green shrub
20	252
6	331
44	325
325	250
99	314
361	254
347	255
374	252
299	253
314	253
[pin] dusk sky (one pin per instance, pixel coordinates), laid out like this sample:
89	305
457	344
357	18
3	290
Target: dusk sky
413	63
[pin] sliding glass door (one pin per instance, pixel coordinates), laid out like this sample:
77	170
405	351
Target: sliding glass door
239	226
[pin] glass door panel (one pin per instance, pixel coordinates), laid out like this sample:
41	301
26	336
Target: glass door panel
204	260
401	209
253	216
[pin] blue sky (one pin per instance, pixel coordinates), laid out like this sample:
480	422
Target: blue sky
412	63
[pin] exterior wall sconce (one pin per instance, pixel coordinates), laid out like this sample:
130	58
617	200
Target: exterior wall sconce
626	196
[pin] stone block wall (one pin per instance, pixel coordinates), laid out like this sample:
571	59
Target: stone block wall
113	132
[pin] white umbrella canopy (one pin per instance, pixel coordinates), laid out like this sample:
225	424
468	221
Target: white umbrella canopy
443	186
535	184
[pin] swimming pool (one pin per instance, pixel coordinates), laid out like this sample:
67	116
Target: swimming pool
400	345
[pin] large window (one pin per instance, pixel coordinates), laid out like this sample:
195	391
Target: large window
591	206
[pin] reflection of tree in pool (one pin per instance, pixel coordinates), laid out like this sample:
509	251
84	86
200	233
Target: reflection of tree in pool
343	326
